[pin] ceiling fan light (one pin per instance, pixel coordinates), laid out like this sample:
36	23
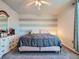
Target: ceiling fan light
45	2
38	3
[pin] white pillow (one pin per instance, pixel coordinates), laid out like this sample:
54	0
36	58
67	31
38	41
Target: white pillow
39	31
44	31
35	32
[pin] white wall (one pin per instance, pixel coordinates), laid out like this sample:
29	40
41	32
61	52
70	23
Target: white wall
66	26
65	22
13	19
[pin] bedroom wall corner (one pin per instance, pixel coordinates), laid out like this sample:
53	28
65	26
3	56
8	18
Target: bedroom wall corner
66	26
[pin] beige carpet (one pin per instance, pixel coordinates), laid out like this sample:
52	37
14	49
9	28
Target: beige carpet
63	55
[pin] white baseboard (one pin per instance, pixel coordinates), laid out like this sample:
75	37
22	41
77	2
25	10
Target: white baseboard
70	49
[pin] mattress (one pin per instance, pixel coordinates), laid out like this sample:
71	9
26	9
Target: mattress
39	40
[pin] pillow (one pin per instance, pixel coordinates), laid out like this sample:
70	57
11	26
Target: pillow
35	32
39	31
44	31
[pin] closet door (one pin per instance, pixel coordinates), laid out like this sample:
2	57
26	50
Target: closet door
76	27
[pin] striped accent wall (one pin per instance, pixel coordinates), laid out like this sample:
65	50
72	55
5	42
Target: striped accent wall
34	24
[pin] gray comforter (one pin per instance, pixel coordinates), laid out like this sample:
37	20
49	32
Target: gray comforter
39	40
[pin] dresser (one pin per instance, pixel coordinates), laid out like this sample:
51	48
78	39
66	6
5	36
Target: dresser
7	44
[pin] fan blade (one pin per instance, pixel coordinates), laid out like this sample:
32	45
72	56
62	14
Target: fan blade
45	2
36	3
30	3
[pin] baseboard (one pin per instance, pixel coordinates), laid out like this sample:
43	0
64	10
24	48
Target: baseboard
70	49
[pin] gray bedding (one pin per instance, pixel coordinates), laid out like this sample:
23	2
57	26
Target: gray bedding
39	40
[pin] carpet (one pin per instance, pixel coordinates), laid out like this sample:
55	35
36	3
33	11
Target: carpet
63	55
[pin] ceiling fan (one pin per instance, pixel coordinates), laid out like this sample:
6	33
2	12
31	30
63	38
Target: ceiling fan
38	3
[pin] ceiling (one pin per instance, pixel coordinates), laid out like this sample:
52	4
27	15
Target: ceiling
54	9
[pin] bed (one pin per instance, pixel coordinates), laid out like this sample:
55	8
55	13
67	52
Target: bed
39	42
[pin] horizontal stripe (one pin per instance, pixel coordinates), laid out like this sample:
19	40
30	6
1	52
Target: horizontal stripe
3	20
38	25
30	22
37	20
38	28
